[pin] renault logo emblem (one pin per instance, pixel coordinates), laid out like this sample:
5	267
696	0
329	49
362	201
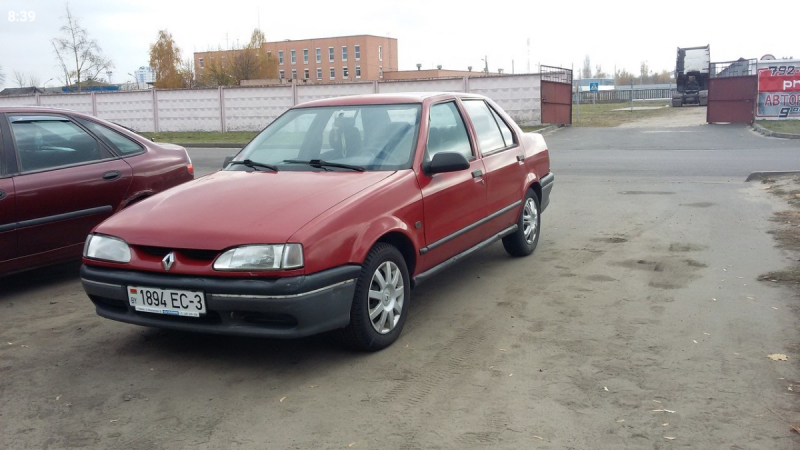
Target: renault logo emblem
168	261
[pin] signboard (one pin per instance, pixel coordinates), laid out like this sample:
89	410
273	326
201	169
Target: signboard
593	87
778	90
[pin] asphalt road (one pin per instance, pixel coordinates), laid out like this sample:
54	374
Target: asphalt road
638	320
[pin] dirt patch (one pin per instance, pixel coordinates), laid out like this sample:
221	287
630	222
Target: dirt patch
612	240
699	205
686	116
787	226
647	193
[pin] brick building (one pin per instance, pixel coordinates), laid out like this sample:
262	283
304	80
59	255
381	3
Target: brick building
327	60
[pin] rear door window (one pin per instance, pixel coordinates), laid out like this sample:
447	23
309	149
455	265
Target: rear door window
46	142
489	136
122	145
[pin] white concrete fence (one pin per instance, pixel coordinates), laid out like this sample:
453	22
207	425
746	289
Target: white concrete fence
253	108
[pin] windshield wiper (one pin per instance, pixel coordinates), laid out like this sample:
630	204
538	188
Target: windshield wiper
255	165
322	164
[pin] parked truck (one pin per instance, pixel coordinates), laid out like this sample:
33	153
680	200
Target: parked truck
692	72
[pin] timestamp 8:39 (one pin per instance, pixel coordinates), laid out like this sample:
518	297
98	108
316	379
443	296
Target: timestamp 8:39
21	16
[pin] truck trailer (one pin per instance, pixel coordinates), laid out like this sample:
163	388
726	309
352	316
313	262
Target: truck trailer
692	73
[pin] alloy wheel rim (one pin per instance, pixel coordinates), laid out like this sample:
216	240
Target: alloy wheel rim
530	221
386	297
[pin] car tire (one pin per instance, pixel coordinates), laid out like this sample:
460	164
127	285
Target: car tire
377	302
523	241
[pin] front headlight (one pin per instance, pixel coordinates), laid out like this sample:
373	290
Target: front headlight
261	257
107	248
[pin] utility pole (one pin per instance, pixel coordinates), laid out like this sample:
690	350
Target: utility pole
486	64
529	55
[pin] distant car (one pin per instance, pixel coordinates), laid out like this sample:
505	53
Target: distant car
325	221
62	173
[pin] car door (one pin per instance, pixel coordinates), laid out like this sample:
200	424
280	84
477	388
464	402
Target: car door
8	219
454	203
503	158
68	182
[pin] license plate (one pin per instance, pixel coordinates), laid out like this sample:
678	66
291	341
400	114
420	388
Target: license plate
167	301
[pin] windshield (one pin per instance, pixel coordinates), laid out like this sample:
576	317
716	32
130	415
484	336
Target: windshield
372	137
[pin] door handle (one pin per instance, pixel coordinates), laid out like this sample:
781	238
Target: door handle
520	158
2	195
477	173
112	175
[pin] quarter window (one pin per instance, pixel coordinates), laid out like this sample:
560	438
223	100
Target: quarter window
489	136
508	136
46	142
447	132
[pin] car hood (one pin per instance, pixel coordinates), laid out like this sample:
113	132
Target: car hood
230	208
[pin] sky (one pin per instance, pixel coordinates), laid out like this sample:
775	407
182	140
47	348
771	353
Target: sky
454	34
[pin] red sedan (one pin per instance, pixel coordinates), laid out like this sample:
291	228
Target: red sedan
325	221
62	173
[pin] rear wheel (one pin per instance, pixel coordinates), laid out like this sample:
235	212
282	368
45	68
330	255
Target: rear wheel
523	241
381	300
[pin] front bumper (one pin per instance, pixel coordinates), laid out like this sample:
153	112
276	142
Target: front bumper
281	308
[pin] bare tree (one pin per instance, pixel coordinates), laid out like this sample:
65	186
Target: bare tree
25	79
79	57
599	72
587	67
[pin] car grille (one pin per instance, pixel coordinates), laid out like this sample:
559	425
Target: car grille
202	255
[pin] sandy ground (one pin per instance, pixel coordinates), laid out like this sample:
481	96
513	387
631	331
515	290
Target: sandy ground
638	323
685	116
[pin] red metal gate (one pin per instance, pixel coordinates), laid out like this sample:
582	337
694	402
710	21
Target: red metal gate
556	95
732	92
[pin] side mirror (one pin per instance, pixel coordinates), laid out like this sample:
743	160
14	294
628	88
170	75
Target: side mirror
448	162
228	160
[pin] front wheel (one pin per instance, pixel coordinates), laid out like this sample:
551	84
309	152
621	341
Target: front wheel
380	304
523	241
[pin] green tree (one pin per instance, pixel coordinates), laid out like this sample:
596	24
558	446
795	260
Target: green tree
79	57
165	59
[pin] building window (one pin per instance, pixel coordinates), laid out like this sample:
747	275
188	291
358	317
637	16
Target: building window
280	56
357	51
344	53
380	53
305	74
358	71
330	54
319	73
201	63
344	72
281	75
319	55
305	56
294	74
294	57
380	72
333	73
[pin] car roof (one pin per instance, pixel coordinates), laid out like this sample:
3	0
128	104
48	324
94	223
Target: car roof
40	109
383	99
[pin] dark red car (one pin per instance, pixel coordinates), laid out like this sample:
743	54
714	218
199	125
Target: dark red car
325	221
62	173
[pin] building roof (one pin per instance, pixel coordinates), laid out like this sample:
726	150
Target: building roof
7	92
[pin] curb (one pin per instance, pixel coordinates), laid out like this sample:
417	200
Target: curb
762	175
549	129
215	145
759	129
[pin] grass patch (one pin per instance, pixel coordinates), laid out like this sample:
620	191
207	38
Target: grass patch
781	126
200	137
603	114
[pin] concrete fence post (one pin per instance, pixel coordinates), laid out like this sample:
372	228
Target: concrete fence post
375	87
466	84
155	111
222	110
294	92
94	104
38	100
